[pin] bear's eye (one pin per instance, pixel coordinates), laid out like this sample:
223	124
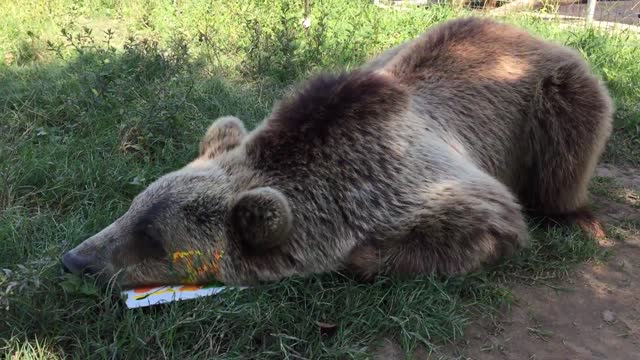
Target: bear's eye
147	243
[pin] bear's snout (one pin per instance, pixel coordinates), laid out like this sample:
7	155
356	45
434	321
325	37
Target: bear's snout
77	264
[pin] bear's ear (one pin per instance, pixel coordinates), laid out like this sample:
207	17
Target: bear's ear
261	218
224	134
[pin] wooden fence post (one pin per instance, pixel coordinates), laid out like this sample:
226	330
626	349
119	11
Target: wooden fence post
591	9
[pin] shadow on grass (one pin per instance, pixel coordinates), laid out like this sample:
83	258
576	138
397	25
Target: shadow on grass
80	138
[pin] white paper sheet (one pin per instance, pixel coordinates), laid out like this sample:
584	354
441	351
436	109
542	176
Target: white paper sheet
148	296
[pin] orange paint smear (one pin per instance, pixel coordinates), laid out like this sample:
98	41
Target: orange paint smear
190	288
146	289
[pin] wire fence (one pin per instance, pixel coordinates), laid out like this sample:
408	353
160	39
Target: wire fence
608	14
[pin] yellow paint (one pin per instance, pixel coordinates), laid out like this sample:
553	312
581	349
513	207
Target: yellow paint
183	254
165	291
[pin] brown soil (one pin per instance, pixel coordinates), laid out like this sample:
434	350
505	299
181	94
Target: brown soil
593	315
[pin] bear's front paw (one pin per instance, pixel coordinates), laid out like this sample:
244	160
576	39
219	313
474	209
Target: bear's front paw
364	263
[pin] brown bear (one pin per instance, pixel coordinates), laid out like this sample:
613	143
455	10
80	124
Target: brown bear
422	161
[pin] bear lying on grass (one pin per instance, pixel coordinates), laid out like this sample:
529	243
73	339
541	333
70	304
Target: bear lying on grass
422	161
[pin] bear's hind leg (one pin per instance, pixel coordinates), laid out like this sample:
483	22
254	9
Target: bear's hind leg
462	226
571	127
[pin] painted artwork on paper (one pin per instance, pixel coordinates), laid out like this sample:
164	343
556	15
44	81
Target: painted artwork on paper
148	296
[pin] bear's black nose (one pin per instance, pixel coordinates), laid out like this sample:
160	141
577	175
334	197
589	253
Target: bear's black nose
76	264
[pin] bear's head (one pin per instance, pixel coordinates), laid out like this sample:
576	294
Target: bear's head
201	223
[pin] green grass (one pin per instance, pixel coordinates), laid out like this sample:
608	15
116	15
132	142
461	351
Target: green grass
89	118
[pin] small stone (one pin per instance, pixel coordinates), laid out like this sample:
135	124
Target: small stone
624	264
609	316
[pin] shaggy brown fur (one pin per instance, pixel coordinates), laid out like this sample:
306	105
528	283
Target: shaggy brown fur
422	161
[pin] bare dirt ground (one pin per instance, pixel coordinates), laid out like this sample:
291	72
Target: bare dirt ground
593	315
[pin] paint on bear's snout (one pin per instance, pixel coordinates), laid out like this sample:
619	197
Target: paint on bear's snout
197	269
